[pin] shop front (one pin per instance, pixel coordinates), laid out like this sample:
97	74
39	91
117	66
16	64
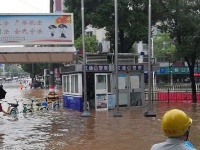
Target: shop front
175	74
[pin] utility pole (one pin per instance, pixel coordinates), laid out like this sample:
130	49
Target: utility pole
33	73
150	112
51	66
117	113
85	113
52	96
51	6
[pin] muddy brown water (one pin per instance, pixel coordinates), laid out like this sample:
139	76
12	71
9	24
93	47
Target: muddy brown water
65	129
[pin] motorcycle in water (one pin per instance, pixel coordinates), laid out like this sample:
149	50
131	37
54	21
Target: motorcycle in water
27	105
10	107
42	105
55	104
15	106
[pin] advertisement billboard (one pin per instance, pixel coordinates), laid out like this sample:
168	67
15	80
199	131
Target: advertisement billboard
37	29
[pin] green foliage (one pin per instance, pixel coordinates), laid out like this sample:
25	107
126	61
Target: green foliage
12	70
132	20
1	70
15	71
38	68
91	44
7	67
163	45
181	20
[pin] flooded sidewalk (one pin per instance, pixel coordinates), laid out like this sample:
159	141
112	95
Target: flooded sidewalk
65	129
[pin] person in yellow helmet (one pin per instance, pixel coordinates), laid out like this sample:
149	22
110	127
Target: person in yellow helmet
176	127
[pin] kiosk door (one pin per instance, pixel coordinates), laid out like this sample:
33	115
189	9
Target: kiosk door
123	86
101	91
136	89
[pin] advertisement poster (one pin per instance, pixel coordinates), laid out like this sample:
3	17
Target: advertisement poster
135	82
36	29
121	81
101	102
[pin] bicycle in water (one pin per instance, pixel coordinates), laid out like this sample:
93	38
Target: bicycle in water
10	107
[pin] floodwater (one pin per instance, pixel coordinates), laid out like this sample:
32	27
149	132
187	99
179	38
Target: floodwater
65	129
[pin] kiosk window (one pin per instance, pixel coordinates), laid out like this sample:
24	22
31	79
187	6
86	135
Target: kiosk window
74	83
109	82
64	84
71	83
135	81
101	82
68	83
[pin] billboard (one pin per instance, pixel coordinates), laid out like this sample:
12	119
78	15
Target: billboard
37	29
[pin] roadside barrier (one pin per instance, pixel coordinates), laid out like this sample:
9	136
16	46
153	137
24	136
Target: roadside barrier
177	92
172	96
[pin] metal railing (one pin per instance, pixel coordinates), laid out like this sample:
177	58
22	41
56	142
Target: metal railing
177	92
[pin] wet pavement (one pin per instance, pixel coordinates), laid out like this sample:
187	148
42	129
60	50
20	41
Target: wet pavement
65	129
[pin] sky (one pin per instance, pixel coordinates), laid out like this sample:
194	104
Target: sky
24	6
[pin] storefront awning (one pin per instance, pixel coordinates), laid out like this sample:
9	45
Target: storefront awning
36	54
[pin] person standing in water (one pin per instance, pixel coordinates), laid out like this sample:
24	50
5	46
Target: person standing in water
21	86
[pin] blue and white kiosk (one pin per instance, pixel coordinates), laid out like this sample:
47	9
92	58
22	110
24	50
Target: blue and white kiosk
101	85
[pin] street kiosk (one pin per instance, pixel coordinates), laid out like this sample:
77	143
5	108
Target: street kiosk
100	78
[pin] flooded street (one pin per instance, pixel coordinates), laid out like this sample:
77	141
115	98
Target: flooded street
65	129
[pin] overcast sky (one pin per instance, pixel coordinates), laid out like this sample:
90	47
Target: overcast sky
24	6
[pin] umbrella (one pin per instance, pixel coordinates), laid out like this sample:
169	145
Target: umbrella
2	93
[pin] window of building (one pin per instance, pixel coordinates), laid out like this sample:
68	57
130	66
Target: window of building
64	83
89	33
144	47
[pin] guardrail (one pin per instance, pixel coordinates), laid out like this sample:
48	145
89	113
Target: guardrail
172	96
177	92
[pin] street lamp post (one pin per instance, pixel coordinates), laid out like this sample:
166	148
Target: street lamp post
85	112
117	113
149	112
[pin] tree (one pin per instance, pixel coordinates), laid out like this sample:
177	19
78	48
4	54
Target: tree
38	67
7	67
91	43
181	19
163	46
1	71
15	71
132	19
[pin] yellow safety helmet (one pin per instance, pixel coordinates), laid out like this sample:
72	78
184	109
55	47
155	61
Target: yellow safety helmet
175	123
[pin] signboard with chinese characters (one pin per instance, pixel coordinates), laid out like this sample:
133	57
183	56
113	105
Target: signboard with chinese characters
130	68
37	29
176	70
98	68
106	68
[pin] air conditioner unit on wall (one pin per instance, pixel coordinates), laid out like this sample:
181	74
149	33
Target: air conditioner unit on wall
104	47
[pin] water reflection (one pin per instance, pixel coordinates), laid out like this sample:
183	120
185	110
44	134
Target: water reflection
64	129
